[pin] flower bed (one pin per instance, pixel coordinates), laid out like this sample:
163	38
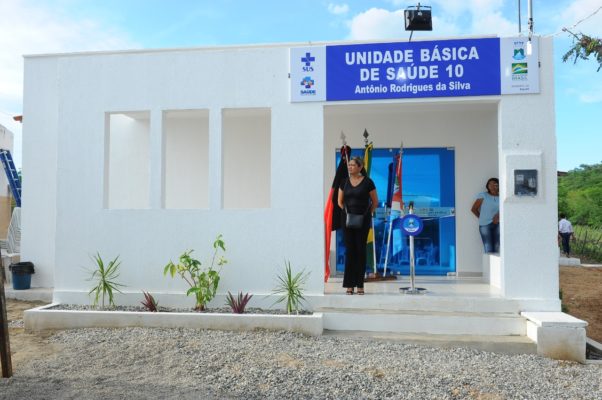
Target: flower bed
216	310
58	316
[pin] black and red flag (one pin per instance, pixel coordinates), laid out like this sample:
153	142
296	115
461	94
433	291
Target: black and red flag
333	215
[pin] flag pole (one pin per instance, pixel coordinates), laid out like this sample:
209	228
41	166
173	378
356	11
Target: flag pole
344	140
373	244
329	210
390	228
397	169
374	269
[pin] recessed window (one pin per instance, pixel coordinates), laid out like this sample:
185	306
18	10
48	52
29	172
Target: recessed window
246	157
127	160
186	134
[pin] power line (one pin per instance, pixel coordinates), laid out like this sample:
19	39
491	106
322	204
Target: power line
5	113
577	23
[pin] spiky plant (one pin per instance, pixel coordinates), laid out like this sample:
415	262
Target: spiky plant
239	303
290	288
105	276
149	302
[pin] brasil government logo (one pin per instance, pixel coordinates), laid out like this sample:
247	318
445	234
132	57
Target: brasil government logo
308	84
519	51
519	71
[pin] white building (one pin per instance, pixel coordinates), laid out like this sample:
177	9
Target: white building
144	154
7	138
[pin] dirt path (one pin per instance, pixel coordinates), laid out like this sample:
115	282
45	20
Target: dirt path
582	295
26	346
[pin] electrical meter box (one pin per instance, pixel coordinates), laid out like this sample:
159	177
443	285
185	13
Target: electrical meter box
525	182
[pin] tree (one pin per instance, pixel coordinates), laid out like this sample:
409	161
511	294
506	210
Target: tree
583	47
580	195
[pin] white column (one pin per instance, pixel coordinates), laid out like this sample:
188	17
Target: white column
157	160
215	159
528	225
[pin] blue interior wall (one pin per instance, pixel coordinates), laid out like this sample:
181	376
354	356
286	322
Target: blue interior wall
428	179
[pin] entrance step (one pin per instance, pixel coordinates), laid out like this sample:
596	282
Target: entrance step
430	302
423	322
496	344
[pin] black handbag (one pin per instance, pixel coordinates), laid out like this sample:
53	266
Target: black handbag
354	221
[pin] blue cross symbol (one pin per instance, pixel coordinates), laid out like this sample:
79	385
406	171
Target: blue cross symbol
308	59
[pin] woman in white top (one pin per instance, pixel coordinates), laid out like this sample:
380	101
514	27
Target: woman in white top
486	207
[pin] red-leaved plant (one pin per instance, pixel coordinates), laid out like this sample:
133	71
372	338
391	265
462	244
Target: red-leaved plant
149	302
238	304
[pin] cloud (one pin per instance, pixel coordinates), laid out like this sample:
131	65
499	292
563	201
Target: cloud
376	23
592	95
31	28
484	23
338	9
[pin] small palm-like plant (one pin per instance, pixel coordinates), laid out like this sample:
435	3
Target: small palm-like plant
149	302
238	304
290	288
105	277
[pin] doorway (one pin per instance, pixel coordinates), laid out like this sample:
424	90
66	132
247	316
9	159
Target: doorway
428	176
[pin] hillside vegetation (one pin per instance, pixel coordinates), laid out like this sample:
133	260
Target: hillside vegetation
580	198
580	195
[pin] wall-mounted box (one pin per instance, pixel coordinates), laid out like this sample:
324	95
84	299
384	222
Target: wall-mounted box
525	182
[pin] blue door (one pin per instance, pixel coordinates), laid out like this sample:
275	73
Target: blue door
428	181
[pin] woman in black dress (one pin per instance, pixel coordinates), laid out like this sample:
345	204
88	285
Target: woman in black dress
357	195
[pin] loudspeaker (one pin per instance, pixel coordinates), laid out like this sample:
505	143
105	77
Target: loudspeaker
418	20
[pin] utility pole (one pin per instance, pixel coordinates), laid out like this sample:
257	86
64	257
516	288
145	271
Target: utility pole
5	360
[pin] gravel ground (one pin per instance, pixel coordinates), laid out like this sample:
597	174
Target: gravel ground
139	363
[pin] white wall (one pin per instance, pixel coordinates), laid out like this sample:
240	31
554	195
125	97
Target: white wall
470	127
128	160
40	166
246	158
258	240
6	142
186	138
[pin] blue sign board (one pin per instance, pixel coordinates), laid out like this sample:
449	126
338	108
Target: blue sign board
443	68
412	224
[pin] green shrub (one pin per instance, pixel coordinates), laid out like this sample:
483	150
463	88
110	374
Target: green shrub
587	244
203	283
563	307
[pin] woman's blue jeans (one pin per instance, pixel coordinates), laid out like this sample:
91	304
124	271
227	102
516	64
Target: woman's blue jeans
490	234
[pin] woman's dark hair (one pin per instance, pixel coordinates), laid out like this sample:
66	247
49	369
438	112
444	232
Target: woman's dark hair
358	161
496	180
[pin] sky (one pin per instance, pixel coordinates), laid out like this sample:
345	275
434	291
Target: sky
55	26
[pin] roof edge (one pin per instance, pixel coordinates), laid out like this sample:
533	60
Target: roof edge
246	46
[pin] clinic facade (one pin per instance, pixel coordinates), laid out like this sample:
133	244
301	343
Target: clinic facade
145	154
